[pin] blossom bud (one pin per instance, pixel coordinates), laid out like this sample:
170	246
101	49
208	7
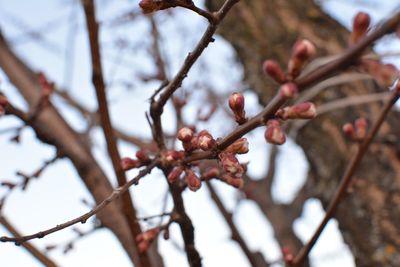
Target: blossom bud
193	182
174	174
205	140
142	156
236	103
361	23
185	134
240	146
287	255
384	74
171	156
302	51
288	90
273	69
231	164
304	110
274	133
211	173
361	126
144	239
128	164
233	181
348	129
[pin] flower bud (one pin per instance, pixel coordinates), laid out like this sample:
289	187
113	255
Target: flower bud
240	146
236	103
302	51
233	181
231	164
361	23
288	90
145	239
273	69
142	156
304	110
211	173
171	155
348	129
193	182
175	174
274	133
185	134
205	140
287	255
361	126
128	164
384	74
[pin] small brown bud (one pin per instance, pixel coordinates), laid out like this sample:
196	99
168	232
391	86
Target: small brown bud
128	164
142	156
348	129
175	174
233	181
236	103
302	51
193	182
274	133
211	173
273	69
361	23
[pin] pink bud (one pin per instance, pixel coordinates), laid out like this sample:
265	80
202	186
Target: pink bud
185	134
273	69
174	174
211	173
288	90
128	164
304	110
274	133
240	146
302	51
236	103
231	164
287	255
348	130
361	23
205	140
144	239
142	156
233	181
193	182
172	155
361	126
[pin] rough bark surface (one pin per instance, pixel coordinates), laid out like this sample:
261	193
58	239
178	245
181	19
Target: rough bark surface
368	217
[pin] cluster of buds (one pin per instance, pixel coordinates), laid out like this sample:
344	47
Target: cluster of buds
361	24
302	52
231	165
142	159
236	104
358	131
304	110
274	133
3	103
145	239
192	180
46	86
203	140
384	74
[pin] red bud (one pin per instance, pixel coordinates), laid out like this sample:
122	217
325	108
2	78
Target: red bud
240	146
128	164
304	110
361	126
193	182
273	69
288	90
185	134
361	23
274	133
211	173
174	174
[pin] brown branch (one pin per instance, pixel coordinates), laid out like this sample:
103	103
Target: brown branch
256	259
348	58
98	82
156	108
28	246
346	179
117	192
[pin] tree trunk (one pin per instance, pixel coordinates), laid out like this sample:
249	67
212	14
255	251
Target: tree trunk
267	29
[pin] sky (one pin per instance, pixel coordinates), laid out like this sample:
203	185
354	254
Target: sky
62	53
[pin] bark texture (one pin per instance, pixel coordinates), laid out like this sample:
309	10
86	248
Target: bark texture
368	216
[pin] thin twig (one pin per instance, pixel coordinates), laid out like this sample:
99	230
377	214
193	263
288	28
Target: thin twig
345	181
117	192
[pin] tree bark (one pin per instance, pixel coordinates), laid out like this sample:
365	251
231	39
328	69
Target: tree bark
267	29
